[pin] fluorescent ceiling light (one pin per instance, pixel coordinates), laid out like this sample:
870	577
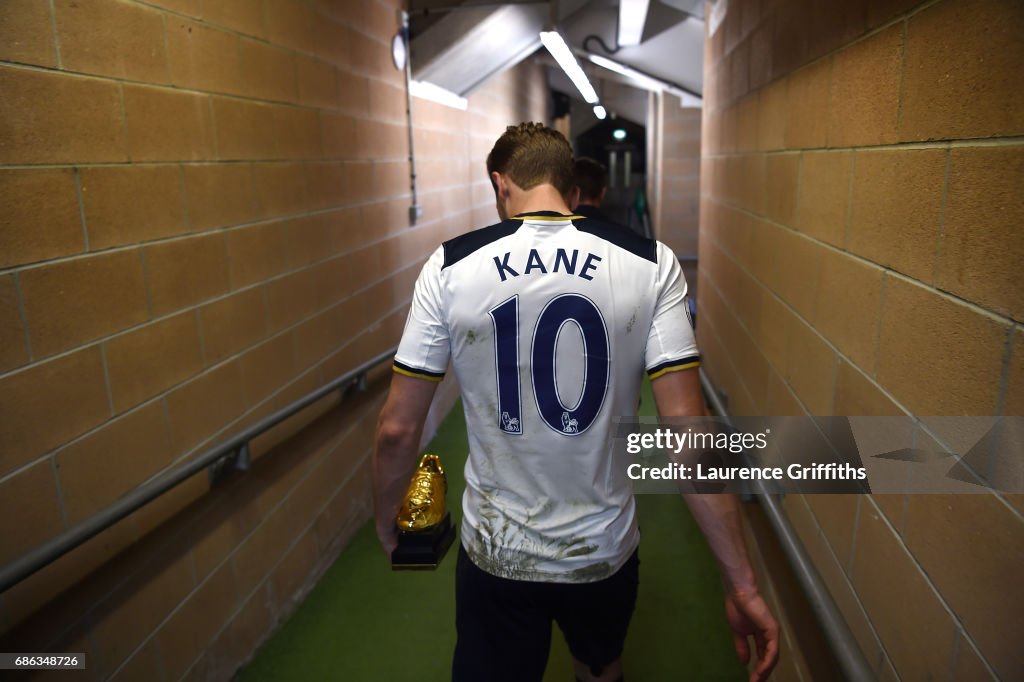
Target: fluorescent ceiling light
632	17
600	112
688	100
644	81
641	79
609	64
435	93
563	55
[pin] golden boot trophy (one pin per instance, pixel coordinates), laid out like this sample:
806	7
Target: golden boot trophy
424	524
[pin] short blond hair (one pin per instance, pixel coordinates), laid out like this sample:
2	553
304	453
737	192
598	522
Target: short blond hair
531	154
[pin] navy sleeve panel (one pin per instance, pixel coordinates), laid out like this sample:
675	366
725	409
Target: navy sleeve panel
457	248
621	237
673	366
410	371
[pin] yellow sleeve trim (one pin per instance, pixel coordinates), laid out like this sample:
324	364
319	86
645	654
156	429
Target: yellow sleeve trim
415	375
677	368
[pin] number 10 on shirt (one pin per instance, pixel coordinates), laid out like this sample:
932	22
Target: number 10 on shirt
559	311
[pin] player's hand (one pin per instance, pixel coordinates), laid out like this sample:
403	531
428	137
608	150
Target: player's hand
749	616
387	534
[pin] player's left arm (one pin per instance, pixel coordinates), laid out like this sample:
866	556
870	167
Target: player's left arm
678	394
399	429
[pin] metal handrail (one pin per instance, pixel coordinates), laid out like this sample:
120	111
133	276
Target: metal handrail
837	633
236	447
834	627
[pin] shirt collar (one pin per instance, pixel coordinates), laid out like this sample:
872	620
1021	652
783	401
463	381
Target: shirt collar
545	216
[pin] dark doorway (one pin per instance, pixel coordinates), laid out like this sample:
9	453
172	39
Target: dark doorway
621	146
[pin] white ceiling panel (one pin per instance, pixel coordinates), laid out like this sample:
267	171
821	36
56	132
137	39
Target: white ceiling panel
467	47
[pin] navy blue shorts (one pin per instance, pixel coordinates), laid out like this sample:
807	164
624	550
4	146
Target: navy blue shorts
504	626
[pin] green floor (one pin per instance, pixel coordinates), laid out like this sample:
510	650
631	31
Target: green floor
365	622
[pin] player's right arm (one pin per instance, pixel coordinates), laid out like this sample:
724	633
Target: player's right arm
420	362
678	394
395	450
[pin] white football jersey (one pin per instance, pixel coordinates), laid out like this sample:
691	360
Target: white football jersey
549	322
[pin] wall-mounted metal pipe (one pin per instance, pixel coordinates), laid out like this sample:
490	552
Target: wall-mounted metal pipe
414	209
837	633
56	547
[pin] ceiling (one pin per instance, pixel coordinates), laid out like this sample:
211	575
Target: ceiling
459	45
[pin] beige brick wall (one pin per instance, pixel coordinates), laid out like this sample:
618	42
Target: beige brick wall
205	217
861	254
678	182
676	179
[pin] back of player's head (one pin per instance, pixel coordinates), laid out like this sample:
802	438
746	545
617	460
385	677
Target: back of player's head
531	154
591	178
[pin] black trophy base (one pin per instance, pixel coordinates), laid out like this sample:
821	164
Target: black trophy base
423	550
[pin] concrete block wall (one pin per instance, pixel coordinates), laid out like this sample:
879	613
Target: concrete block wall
675	178
676	212
204	218
860	254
